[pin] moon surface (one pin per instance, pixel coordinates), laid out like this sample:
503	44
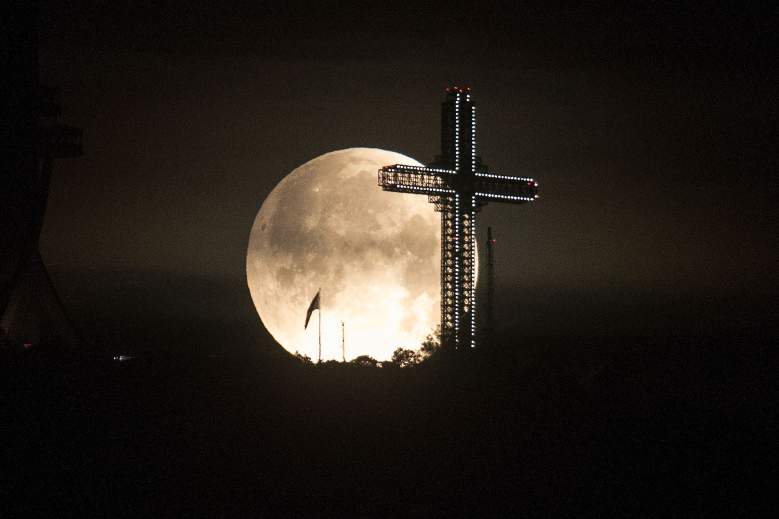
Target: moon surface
374	254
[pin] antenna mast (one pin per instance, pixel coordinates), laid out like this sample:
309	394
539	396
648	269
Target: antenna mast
320	330
490	321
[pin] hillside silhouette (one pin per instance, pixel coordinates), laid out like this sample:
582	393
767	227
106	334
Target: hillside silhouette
664	425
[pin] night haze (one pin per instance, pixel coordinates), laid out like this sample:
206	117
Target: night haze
635	300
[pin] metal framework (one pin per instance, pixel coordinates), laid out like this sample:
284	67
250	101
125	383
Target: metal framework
459	185
31	312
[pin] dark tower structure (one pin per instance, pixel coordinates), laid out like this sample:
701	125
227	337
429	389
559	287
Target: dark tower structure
489	308
459	185
31	139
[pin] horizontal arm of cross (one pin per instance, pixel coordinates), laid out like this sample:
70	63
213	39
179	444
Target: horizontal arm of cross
504	188
414	179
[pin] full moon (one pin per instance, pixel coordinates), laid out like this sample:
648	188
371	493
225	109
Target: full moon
374	255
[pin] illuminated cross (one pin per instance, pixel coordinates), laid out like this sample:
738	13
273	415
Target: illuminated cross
459	185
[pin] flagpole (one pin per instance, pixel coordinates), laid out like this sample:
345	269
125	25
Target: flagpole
343	342
320	326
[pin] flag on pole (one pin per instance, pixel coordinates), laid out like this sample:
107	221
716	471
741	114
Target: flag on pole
313	306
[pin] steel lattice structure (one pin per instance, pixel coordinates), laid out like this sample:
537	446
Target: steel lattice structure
459	185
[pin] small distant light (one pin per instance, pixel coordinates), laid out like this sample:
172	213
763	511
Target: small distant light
27	345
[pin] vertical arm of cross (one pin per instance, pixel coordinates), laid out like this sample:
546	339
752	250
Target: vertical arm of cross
458	270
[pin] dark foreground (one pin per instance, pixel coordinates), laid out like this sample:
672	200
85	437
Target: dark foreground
665	426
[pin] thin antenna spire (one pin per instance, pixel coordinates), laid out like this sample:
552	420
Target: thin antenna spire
490	321
343	342
320	326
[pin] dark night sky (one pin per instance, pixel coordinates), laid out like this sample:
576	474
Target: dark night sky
651	132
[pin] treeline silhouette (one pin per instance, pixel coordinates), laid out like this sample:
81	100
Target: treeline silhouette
401	357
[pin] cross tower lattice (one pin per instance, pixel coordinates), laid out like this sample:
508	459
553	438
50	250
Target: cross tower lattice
459	185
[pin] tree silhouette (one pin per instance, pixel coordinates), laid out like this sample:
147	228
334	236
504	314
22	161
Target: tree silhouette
431	345
330	363
305	359
403	358
365	360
